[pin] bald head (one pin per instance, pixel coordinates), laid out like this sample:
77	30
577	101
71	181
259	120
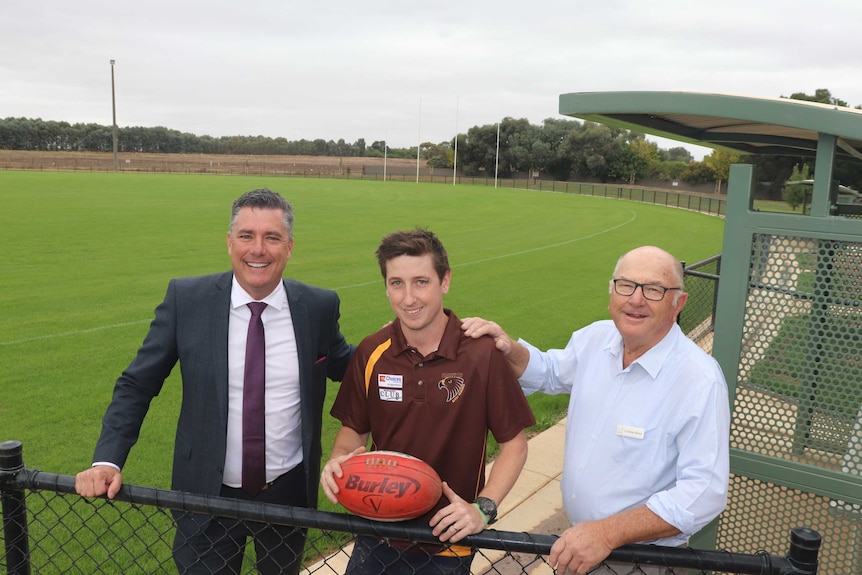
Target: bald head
654	259
643	321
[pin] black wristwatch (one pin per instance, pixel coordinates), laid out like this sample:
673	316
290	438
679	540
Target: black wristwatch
488	507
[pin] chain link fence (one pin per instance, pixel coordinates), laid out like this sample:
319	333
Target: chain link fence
697	319
48	528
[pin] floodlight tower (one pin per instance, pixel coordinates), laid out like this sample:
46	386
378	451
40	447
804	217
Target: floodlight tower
114	107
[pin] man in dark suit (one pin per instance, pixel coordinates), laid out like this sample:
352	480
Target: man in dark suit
203	323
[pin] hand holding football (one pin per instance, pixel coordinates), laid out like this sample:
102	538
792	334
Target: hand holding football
387	486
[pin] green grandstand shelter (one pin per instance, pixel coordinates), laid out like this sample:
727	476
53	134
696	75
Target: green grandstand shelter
788	320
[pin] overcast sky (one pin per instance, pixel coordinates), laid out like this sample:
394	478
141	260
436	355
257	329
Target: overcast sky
400	70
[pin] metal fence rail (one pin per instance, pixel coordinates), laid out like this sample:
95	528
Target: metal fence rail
47	528
697	319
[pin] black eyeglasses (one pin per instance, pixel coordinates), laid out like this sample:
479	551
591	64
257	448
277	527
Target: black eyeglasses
652	292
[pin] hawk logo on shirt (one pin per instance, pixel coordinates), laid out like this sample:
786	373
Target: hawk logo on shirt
454	385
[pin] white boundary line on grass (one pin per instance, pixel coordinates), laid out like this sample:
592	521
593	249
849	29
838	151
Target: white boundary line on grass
363	284
633	217
74	332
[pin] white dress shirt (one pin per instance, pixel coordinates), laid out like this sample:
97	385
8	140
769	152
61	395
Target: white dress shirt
283	418
655	433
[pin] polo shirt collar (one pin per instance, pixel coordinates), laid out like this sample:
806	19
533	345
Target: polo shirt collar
449	343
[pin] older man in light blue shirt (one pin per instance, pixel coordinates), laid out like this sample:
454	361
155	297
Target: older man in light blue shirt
646	455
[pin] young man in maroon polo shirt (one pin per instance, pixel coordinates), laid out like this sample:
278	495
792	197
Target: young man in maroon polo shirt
441	394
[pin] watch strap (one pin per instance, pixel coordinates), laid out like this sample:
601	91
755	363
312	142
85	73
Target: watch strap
482	513
491	514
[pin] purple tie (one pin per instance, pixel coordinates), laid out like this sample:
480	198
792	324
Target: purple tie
253	418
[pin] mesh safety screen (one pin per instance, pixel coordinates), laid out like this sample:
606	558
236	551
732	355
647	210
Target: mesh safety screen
759	514
799	391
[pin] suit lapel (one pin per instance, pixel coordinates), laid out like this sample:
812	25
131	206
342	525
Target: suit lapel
299	315
301	321
218	338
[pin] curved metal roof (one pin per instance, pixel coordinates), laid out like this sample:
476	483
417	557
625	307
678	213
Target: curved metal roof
743	124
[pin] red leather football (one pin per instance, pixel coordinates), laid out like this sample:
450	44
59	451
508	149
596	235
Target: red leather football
388	486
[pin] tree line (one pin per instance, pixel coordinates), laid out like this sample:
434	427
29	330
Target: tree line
53	136
561	148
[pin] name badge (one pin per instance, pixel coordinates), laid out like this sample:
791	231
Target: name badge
630	431
390	381
390	394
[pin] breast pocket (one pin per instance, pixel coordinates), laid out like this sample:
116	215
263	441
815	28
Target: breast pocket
637	454
318	370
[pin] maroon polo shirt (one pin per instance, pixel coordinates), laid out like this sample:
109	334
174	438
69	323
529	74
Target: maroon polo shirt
438	408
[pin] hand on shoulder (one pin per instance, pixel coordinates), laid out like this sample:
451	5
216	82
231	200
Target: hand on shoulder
477	327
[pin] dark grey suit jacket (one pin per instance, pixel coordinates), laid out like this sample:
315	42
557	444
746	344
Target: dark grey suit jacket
191	326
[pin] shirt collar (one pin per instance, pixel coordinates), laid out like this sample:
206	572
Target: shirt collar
239	297
449	343
654	358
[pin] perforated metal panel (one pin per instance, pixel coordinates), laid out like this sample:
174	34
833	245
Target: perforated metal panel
799	391
760	514
788	335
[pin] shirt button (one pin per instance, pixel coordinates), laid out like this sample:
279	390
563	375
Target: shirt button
420	382
421	364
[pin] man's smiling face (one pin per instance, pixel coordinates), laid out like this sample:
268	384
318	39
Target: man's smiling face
259	247
641	322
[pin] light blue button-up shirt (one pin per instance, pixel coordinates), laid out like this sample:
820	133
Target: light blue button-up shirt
655	433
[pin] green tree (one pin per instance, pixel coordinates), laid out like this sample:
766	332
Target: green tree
670	170
698	173
555	134
359	147
438	155
795	194
720	162
646	154
677	154
477	150
821	95
606	153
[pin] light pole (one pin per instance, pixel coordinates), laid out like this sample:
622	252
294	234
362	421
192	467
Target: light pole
418	139
114	107
455	162
497	156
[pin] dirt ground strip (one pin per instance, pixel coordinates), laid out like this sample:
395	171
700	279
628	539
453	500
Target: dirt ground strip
198	163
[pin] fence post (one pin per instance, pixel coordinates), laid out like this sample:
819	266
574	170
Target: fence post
14	510
804	547
715	293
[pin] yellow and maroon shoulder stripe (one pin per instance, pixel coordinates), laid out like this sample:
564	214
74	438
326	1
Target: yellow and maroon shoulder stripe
372	361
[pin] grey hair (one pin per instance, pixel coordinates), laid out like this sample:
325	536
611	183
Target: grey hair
264	199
